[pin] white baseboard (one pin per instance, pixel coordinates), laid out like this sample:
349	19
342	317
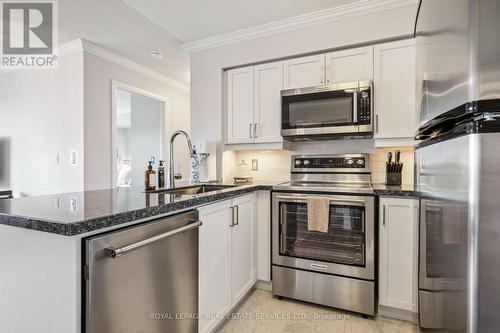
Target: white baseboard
264	285
389	312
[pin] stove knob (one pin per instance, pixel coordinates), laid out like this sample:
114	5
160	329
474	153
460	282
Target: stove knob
360	162
306	162
298	162
350	162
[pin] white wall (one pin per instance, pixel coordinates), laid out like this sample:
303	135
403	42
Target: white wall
99	73
207	66
41	113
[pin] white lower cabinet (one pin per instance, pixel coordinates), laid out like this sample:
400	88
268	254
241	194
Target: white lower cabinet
227	257
398	253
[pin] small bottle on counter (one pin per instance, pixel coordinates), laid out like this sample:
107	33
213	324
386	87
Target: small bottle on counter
150	178
161	175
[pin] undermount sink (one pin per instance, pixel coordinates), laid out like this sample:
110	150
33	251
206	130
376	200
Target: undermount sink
192	190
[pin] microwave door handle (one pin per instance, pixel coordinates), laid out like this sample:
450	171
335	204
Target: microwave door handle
355	106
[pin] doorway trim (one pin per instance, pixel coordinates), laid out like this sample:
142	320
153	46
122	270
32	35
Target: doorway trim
118	85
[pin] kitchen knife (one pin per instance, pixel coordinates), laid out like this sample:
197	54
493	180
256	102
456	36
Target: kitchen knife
398	156
389	161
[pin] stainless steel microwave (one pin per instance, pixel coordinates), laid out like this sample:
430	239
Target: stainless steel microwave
324	112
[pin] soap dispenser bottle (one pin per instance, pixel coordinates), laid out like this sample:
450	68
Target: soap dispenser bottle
150	177
161	175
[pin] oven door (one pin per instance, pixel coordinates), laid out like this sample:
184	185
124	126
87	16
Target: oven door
346	249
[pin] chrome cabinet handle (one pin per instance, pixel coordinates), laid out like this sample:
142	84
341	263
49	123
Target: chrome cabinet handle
251	135
117	252
231	224
322	74
376	123
328	74
255	131
237	215
383	215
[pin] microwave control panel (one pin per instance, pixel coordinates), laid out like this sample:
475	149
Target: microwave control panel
364	107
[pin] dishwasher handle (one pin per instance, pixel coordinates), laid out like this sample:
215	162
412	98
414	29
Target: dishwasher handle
117	252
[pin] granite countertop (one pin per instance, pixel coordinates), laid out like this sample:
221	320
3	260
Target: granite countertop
77	213
404	190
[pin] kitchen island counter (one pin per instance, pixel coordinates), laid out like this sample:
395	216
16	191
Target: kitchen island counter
71	214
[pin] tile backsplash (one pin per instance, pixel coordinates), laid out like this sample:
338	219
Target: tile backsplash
379	157
275	165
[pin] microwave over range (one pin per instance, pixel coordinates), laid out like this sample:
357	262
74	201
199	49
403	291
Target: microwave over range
326	112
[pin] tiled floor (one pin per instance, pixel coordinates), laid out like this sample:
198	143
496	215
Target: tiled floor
261	313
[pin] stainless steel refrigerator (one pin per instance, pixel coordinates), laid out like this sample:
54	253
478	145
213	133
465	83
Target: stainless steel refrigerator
458	164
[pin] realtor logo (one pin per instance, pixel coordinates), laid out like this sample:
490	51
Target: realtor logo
28	34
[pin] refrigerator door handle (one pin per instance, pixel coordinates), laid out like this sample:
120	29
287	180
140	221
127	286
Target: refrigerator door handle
112	252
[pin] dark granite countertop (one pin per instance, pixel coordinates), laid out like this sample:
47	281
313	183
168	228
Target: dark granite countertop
72	214
404	190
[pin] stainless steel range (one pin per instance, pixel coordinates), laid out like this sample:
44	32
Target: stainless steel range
334	268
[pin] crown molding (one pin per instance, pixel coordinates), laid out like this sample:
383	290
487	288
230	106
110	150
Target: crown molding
132	65
359	8
82	45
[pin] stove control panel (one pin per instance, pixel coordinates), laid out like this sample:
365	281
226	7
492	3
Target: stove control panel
323	163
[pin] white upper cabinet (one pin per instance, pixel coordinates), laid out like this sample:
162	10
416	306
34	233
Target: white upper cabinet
240	105
268	85
349	65
304	71
395	94
398	253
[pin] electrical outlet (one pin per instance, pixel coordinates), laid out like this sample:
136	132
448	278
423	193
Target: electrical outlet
72	157
255	164
57	158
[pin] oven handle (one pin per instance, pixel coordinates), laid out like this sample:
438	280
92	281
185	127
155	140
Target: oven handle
351	202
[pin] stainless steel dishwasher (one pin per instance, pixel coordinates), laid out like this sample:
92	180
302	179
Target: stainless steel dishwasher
143	278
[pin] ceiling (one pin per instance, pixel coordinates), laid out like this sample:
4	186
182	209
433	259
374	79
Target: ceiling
119	28
191	20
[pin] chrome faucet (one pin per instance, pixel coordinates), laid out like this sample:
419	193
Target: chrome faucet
171	175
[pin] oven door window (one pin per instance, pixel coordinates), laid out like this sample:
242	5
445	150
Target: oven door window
344	243
322	109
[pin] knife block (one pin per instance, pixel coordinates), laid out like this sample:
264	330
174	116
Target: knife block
393	174
393	178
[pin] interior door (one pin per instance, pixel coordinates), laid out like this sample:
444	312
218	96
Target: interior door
243	254
304	72
240	105
268	86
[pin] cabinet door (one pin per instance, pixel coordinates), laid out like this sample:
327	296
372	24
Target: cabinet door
398	250
304	72
349	65
268	85
214	263
243	251
240	105
394	81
